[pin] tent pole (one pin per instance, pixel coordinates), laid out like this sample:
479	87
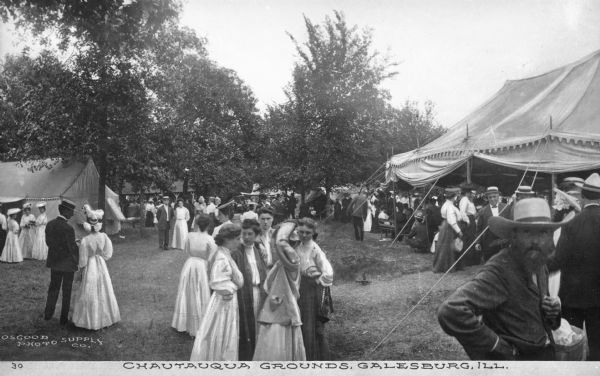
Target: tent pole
469	169
553	185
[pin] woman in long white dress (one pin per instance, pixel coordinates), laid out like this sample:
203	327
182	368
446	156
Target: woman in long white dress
40	248
193	293
95	304
218	336
180	229
12	246
27	235
369	220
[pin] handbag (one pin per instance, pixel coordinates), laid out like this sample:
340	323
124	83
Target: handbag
325	305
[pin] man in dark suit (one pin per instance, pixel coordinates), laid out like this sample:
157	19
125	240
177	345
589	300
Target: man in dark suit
164	216
578	258
489	244
358	210
63	260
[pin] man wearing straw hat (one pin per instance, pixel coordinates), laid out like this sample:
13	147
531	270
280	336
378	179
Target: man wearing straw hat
63	260
164	217
510	293
578	258
489	244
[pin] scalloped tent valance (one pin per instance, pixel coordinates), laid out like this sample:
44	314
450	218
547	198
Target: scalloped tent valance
549	123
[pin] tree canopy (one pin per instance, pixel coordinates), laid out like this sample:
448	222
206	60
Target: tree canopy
128	86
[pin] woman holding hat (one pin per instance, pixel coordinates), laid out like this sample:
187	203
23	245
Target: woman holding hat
40	248
218	336
95	305
445	249
279	320
180	229
12	247
27	235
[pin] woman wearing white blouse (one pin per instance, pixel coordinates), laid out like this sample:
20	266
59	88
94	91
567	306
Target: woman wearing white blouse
315	297
40	248
445	252
27	235
180	230
252	294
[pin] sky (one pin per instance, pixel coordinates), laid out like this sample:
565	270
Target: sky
456	53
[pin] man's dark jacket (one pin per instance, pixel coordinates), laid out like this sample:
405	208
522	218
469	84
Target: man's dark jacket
63	252
578	257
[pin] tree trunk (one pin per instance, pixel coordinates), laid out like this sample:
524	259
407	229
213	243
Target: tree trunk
102	170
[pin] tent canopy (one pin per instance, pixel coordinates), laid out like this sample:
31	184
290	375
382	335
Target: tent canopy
76	181
548	123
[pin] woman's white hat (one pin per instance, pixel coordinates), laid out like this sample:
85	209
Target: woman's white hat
13	211
41	204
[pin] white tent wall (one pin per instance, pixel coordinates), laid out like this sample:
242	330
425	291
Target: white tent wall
82	189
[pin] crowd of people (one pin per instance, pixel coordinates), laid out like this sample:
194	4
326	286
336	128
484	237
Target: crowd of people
539	290
25	239
248	291
270	288
256	285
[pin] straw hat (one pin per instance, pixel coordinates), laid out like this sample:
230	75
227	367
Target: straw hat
67	204
529	213
524	190
574	180
41	205
13	211
592	183
492	190
27	206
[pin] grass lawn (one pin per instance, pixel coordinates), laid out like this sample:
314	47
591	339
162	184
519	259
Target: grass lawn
145	281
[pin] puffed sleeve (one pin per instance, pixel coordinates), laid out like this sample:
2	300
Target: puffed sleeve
187	214
107	251
452	217
15	226
221	275
326	278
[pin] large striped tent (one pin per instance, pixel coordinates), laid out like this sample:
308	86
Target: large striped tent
548	125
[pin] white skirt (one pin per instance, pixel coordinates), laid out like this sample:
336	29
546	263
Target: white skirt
180	233
95	306
218	336
193	296
12	249
26	241
40	248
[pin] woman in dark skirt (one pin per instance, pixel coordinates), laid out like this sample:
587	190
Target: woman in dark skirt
315	296
252	294
150	213
445	251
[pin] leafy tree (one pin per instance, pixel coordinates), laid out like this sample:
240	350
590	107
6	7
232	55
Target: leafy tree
337	125
335	105
106	102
